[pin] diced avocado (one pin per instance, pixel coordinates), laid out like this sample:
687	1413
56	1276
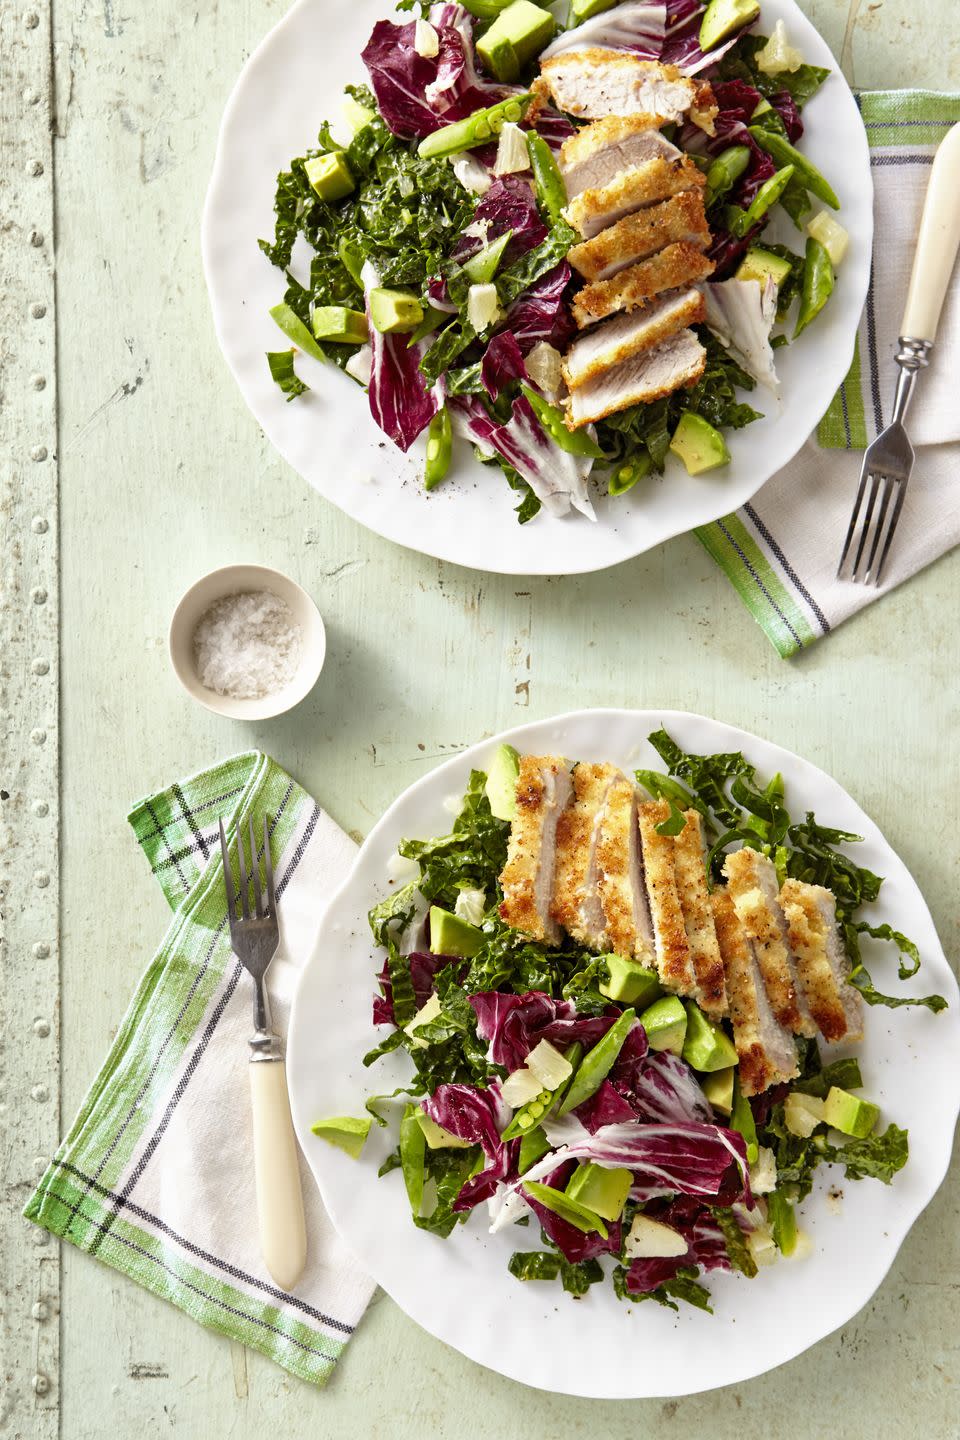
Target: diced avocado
706	1046
518	34
449	935
483	266
501	786
603	1191
339	324
585	9
356	115
436	1137
718	1089
394	312
347	1132
758	264
698	444
722	17
329	175
630	982
849	1114
665	1022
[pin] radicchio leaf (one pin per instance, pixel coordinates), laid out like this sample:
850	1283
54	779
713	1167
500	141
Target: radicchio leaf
416	94
557	479
502	364
401	402
423	969
477	1115
637	25
507	205
515	1024
542	312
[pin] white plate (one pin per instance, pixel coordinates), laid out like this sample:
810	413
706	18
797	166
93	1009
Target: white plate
293	82
459	1289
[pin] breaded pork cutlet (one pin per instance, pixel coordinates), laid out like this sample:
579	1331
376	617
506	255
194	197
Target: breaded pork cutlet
604	347
575	903
766	1050
679	361
637	236
644	184
675	265
620	880
752	882
674	961
593	83
823	967
543	790
598	153
691	872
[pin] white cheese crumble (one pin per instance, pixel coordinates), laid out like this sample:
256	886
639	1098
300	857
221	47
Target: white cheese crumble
763	1172
483	307
247	645
424	1015
512	153
471	174
778	54
650	1239
470	905
360	365
543	367
426	41
520	1087
548	1065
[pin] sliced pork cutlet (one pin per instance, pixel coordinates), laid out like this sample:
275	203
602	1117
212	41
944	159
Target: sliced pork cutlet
674	961
642	234
620	882
575	903
593	83
678	362
543	791
823	967
645	184
752	882
691	871
604	347
765	1049
598	153
675	265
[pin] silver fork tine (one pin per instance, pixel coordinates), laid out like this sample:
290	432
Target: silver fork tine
268	863
894	519
227	877
868	516
854	514
244	899
888	483
255	865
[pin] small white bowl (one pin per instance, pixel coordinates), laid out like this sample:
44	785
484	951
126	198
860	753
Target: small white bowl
234	580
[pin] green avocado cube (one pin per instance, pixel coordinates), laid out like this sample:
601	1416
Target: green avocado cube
698	444
722	17
630	982
665	1022
849	1114
340	324
394	312
718	1089
449	935
436	1137
601	1190
586	9
329	175
706	1046
759	264
501	782
517	35
347	1132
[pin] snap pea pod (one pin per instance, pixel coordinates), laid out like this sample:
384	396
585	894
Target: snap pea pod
351	258
432	320
412	1151
781	151
597	1064
476	129
439	449
725	171
486	9
574	442
626	475
533	1147
570	1210
817	284
295	330
741	1120
783	1222
551	191
533	1112
739	221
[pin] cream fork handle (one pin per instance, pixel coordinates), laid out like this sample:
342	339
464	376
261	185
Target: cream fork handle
937	244
283	1234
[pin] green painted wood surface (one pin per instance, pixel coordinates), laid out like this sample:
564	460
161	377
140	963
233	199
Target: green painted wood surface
157	456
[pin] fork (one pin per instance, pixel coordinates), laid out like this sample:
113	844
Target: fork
255	938
889	460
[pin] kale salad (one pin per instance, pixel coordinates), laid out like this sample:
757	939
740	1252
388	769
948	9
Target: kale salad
544	231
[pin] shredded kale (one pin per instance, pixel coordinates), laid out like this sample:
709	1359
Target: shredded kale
740	63
737	1248
281	368
683	1286
472	855
549	1265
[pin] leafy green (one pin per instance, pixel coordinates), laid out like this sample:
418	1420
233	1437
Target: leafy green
529	504
445	1172
878	1157
683	1286
735	1241
740	64
845	1074
281	368
472	855
532	266
548	1265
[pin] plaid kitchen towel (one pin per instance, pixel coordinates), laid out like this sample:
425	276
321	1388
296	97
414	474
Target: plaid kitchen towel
781	550
156	1175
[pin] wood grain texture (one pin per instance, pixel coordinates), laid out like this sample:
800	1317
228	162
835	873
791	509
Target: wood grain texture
158	457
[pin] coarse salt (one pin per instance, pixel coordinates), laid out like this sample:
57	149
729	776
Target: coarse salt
247	645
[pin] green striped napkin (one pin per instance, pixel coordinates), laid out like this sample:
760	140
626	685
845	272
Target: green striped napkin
781	550
156	1174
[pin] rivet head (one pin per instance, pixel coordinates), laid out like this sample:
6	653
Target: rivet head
40	808
41	950
41	878
41	1028
34	167
39	737
40	1311
39	452
40	667
38	311
38	595
31	20
40	1093
40	1382
36	238
39	382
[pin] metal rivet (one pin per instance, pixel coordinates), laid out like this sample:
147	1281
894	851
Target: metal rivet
38	595
39	382
40	1093
40	1382
39	737
40	1311
41	808
41	1028
40	667
31	20
34	167
38	311
41	878
39	452
36	238
41	950
39	525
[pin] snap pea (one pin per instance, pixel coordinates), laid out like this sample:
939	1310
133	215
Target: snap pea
482	266
597	1064
739	221
295	330
432	319
439	449
741	1120
551	191
574	442
725	171
807	173
817	284
486	9
533	1147
476	129
351	258
532	1113
626	475
783	1222
570	1210
412	1151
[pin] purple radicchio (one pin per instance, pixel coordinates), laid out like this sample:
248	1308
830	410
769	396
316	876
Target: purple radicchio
575	1245
661	1088
689	1159
401	402
542	312
557	478
423	971
637	25
477	1115
706	1247
502	364
514	1024
507	205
